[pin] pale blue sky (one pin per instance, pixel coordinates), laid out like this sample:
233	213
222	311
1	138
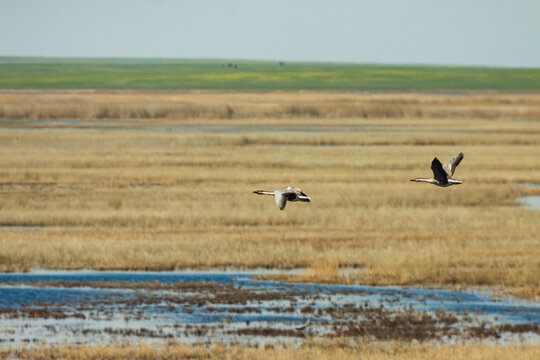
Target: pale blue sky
454	32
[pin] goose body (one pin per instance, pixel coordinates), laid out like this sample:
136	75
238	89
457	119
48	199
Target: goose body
442	174
282	196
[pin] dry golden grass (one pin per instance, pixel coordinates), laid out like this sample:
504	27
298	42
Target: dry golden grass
128	199
102	105
336	349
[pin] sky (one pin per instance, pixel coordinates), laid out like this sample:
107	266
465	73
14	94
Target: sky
500	33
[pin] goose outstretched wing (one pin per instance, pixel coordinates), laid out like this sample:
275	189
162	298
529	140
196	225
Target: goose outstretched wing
438	172
292	193
452	164
281	199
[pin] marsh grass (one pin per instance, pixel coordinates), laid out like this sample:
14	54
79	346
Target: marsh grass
73	105
320	271
335	349
143	200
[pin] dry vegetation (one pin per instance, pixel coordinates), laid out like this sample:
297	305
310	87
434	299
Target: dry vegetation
126	199
115	105
336	349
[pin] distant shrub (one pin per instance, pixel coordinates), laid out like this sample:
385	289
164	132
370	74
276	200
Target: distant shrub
296	110
106	112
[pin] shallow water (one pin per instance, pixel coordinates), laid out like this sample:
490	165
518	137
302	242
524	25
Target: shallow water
530	202
10	125
529	186
197	307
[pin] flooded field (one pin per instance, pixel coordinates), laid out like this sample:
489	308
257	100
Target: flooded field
82	307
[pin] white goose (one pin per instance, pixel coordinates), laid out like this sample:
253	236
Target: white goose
288	194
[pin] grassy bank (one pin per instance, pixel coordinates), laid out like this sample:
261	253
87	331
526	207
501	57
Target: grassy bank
43	73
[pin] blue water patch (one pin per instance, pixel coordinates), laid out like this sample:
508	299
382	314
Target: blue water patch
131	277
224	301
530	202
389	297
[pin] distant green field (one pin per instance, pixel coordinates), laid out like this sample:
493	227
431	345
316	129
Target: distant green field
155	74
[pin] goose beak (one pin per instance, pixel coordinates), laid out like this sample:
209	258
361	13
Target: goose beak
413	179
306	199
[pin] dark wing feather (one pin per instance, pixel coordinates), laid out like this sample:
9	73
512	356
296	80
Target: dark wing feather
452	164
290	193
438	172
290	196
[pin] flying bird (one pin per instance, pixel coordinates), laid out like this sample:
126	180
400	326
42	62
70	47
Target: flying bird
442	174
304	325
288	194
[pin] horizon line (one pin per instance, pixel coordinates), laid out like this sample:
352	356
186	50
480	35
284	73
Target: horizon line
216	59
